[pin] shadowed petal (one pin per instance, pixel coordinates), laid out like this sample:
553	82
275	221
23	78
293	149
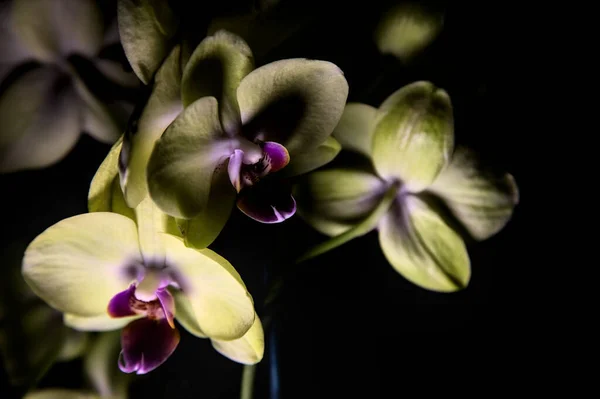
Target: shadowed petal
102	322
267	202
146	28
355	130
78	264
162	107
216	68
39	120
295	102
119	305
422	248
184	159
278	154
146	345
481	198
306	161
54	29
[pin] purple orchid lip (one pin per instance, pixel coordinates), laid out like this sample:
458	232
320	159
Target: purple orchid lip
147	342
268	202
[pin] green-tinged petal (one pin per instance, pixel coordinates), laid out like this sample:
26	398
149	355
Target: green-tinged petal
185	157
330	198
422	248
304	162
294	102
53	29
116	73
146	28
162	107
246	350
223	307
406	29
414	135
204	228
362	227
481	198
59	393
39	120
356	128
80	263
100	364
185	314
101	322
76	343
215	69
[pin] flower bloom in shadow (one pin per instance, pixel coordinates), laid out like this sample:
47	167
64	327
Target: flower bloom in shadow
51	52
414	187
106	271
237	132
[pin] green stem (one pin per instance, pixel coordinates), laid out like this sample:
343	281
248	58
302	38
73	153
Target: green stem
360	229
248	381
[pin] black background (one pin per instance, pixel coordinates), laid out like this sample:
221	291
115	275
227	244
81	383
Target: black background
348	324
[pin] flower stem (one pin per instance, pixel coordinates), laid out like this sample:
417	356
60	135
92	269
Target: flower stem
248	381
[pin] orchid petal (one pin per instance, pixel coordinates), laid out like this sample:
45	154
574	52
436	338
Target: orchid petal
248	349
185	314
168	305
146	345
80	263
200	231
75	345
120	304
39	120
482	199
406	29
422	248
162	107
185	158
105	193
101	322
99	365
59	393
278	155
267	202
146	28
223	307
304	162
414	135
215	69
334	200
13	50
53	29
115	72
356	128
294	102
234	167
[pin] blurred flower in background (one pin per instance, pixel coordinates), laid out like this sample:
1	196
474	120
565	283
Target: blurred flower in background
406	29
56	81
414	187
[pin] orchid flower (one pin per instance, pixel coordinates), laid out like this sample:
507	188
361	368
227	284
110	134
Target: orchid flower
240	130
43	109
105	195
412	174
106	271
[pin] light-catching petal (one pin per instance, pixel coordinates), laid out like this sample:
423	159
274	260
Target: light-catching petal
482	199
54	29
294	102
216	68
101	322
80	263
39	120
335	199
246	350
356	128
223	307
185	314
184	160
414	135
422	248
162	107
146	28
